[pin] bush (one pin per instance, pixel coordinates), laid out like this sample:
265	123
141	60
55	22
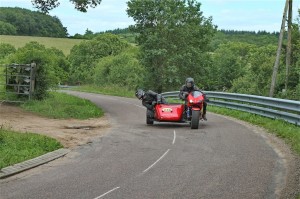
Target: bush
121	70
83	57
51	66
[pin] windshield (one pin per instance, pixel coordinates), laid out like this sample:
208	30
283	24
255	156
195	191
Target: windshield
196	94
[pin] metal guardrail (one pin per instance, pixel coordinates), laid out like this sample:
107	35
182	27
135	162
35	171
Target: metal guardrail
288	110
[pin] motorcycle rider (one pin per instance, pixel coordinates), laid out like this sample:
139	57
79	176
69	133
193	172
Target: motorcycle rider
188	87
149	99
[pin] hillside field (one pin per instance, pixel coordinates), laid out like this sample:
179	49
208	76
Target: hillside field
64	44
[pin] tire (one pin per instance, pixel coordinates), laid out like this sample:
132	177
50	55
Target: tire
149	117
195	119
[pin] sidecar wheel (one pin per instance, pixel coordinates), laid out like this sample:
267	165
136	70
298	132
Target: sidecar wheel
195	119
149	120
149	117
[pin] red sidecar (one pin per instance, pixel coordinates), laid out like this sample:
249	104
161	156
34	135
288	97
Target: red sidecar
189	112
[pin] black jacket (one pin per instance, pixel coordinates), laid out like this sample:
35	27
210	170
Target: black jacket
149	99
184	89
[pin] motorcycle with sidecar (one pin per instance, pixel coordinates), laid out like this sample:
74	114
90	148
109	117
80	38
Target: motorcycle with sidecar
190	112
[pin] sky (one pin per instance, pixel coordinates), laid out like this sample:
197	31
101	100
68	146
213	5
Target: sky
247	15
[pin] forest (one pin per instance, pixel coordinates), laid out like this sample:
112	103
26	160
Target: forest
159	56
20	21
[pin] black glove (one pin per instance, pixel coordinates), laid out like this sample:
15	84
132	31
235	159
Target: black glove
185	94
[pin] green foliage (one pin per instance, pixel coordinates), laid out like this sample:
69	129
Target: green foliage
26	22
107	90
260	38
125	34
257	78
83	57
48	73
6	49
18	147
174	37
61	105
81	5
229	63
121	70
7	29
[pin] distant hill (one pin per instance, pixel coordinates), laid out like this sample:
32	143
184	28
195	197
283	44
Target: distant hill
259	38
20	21
64	44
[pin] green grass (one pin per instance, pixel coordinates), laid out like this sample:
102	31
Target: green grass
63	106
17	147
64	44
106	90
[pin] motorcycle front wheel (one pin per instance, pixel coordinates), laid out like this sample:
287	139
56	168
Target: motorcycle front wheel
195	119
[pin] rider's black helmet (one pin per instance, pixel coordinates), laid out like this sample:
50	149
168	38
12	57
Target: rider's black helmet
189	82
140	93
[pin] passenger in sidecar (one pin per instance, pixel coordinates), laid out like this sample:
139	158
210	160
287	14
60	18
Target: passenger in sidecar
149	99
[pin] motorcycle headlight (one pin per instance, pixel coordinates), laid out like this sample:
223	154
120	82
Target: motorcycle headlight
191	101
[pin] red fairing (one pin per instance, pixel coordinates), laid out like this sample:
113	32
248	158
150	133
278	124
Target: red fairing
169	112
195	100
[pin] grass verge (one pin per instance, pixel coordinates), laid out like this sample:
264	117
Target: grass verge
106	90
17	147
63	106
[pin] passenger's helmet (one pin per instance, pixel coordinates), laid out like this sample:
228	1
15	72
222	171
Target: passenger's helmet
189	82
140	93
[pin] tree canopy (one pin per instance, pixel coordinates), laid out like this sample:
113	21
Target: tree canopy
20	21
174	38
80	5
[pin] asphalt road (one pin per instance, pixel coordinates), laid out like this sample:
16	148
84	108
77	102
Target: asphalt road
222	159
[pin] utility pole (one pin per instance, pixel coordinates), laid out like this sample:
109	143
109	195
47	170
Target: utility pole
289	45
275	69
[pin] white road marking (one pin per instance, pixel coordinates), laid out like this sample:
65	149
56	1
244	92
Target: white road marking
174	137
107	192
156	161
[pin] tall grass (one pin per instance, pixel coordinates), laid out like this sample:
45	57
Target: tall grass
17	147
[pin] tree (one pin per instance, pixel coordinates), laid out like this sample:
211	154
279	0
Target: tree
7	29
229	63
84	56
52	66
20	21
174	38
123	70
6	49
81	5
255	79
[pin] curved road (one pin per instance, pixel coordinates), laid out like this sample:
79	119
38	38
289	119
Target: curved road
221	159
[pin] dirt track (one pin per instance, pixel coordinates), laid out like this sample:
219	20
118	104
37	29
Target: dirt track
70	132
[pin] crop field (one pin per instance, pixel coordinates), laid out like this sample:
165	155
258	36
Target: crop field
63	44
